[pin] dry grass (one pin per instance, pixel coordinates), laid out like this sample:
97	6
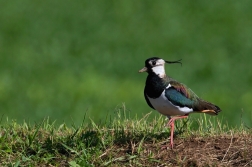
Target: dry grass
220	150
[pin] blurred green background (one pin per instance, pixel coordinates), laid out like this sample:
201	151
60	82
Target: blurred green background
67	59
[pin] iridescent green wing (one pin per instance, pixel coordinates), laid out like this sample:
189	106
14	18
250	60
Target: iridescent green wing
179	95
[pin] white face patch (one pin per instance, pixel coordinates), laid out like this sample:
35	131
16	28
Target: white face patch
160	62
158	68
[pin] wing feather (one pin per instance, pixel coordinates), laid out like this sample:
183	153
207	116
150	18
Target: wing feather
182	96
178	98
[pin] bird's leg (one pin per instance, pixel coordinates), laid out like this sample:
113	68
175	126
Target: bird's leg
171	124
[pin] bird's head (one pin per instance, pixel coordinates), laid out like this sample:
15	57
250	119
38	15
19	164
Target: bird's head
156	65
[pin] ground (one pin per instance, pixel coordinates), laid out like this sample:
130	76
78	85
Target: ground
194	151
125	142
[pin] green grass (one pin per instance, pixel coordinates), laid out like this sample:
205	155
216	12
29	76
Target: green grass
122	140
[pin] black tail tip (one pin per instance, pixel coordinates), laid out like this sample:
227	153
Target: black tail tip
217	110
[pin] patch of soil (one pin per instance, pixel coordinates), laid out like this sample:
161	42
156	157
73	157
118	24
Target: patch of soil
195	151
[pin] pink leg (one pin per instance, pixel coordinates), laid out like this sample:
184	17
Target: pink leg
171	124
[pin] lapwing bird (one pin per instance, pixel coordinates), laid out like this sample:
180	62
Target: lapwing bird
169	97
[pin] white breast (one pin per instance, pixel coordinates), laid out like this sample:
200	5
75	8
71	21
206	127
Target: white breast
165	107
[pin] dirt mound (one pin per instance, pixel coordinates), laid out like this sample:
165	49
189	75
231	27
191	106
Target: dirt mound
193	151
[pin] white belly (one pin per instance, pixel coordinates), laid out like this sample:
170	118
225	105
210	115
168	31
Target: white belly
165	107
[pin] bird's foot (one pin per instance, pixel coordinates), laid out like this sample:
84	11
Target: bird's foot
164	147
167	146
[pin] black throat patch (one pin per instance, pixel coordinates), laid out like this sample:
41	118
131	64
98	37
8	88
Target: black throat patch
154	85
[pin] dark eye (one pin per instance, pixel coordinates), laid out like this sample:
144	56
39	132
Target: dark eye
154	63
